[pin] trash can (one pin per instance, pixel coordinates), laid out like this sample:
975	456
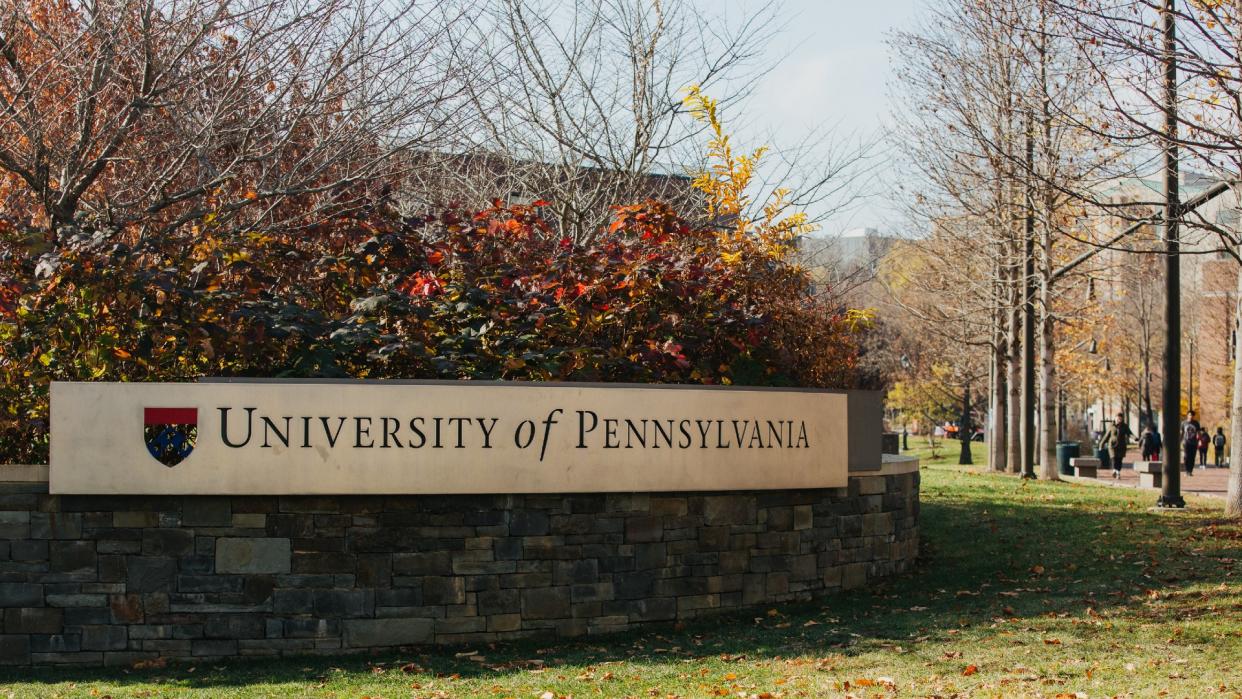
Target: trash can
1065	452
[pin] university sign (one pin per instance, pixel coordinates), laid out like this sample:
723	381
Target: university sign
356	437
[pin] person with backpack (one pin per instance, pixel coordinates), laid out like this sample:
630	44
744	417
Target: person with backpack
1204	441
1190	442
1115	441
1149	444
1218	441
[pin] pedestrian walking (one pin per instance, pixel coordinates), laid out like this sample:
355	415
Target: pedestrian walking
1115	441
1190	442
1218	443
1204	441
1149	444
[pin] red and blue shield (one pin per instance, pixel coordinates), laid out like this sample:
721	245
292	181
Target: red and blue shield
170	433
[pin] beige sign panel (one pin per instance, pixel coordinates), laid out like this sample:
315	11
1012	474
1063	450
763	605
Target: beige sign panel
380	437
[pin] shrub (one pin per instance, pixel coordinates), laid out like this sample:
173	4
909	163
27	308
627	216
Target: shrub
493	295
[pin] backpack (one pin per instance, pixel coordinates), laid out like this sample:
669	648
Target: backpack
1190	433
1147	442
1219	441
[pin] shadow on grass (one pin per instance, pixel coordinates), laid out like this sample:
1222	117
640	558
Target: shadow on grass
993	547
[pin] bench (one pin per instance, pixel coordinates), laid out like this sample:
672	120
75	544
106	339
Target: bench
1150	473
1085	466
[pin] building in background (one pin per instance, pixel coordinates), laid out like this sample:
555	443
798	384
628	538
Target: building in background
846	261
1134	283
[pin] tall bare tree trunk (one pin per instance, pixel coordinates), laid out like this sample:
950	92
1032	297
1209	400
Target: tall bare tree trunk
1233	495
1014	367
1047	349
997	456
1047	374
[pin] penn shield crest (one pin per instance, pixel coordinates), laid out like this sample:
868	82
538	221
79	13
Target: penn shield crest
170	433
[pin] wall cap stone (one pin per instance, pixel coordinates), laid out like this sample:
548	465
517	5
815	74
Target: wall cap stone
23	473
893	465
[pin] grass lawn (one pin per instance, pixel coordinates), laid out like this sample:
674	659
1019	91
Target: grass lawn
946	451
1025	589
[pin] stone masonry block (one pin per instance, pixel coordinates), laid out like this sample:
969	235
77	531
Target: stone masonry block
14	594
73	556
871	485
104	637
728	509
255	556
14	650
206	512
167	542
150	574
34	620
546	602
55	525
366	633
644	529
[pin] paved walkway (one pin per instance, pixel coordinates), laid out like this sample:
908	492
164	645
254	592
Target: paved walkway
1210	481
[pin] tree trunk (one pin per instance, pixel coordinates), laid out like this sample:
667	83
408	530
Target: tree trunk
1047	389
1047	351
1014	361
1233	495
1150	419
997	456
965	432
997	399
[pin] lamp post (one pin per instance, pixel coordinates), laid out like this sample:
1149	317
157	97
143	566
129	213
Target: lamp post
1171	487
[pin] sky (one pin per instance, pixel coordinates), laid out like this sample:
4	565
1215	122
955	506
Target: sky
836	70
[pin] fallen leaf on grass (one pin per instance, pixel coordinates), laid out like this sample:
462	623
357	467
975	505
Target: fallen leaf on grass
970	670
885	682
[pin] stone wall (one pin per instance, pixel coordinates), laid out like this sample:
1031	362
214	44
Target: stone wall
118	579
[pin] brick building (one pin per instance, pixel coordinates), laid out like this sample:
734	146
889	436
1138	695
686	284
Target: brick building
1209	297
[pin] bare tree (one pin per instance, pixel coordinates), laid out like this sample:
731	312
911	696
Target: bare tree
580	104
1129	58
986	87
163	112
